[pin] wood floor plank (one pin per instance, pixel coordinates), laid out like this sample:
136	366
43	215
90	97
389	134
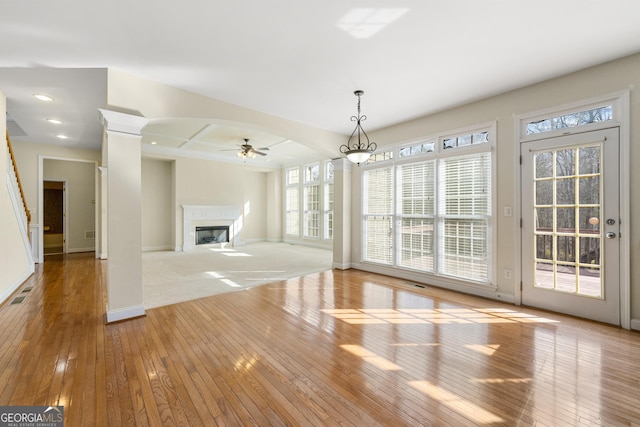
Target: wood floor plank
343	348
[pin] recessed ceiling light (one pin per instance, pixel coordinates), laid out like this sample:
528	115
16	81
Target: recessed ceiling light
61	136
43	97
153	143
54	121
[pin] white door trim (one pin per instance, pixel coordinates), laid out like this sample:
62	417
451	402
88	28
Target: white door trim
622	120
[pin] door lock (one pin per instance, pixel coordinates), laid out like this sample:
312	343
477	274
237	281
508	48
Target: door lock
610	235
611	221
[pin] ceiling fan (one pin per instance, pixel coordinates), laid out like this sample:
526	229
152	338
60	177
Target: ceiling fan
247	150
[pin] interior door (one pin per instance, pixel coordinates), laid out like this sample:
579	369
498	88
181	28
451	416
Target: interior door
570	225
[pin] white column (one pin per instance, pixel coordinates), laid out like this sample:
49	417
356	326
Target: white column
122	156
101	234
342	214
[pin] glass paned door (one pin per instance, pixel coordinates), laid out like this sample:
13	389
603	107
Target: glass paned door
570	225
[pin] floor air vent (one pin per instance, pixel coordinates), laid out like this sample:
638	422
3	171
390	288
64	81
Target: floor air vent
17	300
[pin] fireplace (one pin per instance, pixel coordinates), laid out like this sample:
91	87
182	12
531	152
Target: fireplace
208	216
212	234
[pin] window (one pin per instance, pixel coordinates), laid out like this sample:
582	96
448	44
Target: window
420	148
380	156
433	212
292	201
328	200
416	198
464	216
464	140
574	119
308	193
311	210
378	215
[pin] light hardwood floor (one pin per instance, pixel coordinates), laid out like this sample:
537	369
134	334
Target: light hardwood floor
336	348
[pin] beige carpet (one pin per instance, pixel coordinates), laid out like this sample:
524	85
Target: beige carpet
172	277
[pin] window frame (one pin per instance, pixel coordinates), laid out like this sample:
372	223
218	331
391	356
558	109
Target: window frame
289	211
438	155
311	188
328	200
617	112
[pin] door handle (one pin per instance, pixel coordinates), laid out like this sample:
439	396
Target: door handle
610	235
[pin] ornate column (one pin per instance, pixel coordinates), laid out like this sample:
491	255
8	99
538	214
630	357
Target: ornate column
122	160
342	214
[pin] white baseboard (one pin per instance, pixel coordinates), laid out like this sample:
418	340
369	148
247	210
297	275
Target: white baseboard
79	250
15	285
339	266
157	248
452	285
124	313
635	324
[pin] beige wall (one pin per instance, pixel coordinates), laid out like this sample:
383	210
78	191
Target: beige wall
27	157
156	101
206	182
157	205
594	82
274	214
15	264
81	199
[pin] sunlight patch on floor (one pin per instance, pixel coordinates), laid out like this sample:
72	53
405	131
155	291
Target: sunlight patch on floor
230	283
502	380
437	316
487	350
370	357
462	406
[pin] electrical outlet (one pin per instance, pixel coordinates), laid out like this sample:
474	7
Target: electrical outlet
507	273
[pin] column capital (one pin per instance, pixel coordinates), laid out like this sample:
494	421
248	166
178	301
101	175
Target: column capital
342	164
116	121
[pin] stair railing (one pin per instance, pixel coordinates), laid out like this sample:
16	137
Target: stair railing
14	168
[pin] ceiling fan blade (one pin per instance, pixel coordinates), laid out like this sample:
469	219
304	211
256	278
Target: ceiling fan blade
258	152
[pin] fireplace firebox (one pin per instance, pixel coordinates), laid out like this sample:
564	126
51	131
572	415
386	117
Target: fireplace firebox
212	234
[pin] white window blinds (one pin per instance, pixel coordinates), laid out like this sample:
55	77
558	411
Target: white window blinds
378	218
433	213
464	219
416	189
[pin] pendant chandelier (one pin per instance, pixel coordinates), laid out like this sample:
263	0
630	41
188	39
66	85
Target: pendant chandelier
358	149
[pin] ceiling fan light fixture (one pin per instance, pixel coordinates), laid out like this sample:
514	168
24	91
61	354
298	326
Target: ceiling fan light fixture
361	148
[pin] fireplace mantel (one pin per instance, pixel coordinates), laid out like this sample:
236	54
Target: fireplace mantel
193	215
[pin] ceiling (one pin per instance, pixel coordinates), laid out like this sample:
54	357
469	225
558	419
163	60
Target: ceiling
294	59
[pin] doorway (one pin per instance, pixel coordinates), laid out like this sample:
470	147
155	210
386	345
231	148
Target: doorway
54	213
571	224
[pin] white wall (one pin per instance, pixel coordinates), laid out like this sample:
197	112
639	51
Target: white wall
594	82
15	265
